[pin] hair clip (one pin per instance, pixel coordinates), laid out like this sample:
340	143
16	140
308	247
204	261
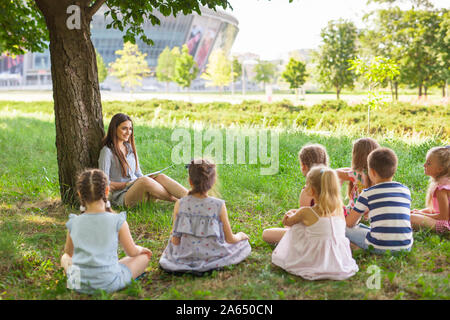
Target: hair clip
322	171
108	204
82	208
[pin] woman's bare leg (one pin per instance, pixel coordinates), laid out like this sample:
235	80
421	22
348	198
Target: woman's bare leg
273	235
143	188
172	186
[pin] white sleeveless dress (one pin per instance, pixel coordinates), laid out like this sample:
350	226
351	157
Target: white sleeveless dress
318	251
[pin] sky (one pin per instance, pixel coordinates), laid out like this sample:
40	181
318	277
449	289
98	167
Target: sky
270	28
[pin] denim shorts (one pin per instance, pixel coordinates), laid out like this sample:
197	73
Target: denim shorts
117	198
357	235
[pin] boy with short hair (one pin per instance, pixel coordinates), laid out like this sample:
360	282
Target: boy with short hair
389	205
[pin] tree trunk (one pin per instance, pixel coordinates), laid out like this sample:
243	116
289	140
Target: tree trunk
425	90
391	87
76	94
396	90
338	91
420	91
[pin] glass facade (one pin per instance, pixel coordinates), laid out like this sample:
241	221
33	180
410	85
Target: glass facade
201	33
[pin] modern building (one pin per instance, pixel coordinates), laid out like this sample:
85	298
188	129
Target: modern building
201	33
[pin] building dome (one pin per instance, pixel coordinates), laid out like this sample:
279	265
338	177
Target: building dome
201	33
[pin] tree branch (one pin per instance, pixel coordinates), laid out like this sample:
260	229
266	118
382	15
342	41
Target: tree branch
93	9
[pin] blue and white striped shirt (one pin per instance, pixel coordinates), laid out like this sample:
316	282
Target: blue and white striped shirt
389	205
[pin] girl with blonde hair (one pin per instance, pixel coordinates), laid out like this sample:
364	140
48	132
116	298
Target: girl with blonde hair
437	213
315	246
309	156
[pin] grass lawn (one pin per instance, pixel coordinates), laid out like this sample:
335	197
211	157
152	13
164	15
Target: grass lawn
32	221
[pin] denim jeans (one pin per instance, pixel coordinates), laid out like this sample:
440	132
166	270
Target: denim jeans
357	235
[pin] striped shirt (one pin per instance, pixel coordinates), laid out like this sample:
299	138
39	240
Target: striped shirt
389	205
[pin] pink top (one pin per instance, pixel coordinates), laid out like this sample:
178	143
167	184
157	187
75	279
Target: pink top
443	184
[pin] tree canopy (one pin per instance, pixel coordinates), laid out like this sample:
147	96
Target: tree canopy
218	70
265	72
102	70
337	49
295	73
415	39
186	68
130	66
165	68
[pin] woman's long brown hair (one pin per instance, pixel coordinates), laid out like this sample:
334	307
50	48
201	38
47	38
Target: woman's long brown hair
110	140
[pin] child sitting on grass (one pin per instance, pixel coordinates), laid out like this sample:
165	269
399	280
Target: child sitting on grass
308	156
202	239
388	203
437	214
357	176
315	246
90	260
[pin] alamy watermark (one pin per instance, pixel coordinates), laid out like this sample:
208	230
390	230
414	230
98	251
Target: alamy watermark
249	146
74	19
374	281
73	277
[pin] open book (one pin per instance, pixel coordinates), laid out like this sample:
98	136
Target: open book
157	172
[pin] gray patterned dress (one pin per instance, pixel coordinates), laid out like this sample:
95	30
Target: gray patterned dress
202	246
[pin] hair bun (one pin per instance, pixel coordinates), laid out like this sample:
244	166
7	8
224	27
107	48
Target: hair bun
202	174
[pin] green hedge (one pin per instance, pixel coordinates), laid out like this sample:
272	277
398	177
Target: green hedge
398	117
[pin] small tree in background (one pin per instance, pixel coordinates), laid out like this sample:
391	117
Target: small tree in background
186	68
265	72
338	47
375	71
130	67
218	70
102	70
237	68
165	69
295	74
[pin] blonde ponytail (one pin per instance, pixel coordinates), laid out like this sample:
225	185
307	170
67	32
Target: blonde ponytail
326	185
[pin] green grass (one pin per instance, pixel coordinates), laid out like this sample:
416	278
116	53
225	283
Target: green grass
32	222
